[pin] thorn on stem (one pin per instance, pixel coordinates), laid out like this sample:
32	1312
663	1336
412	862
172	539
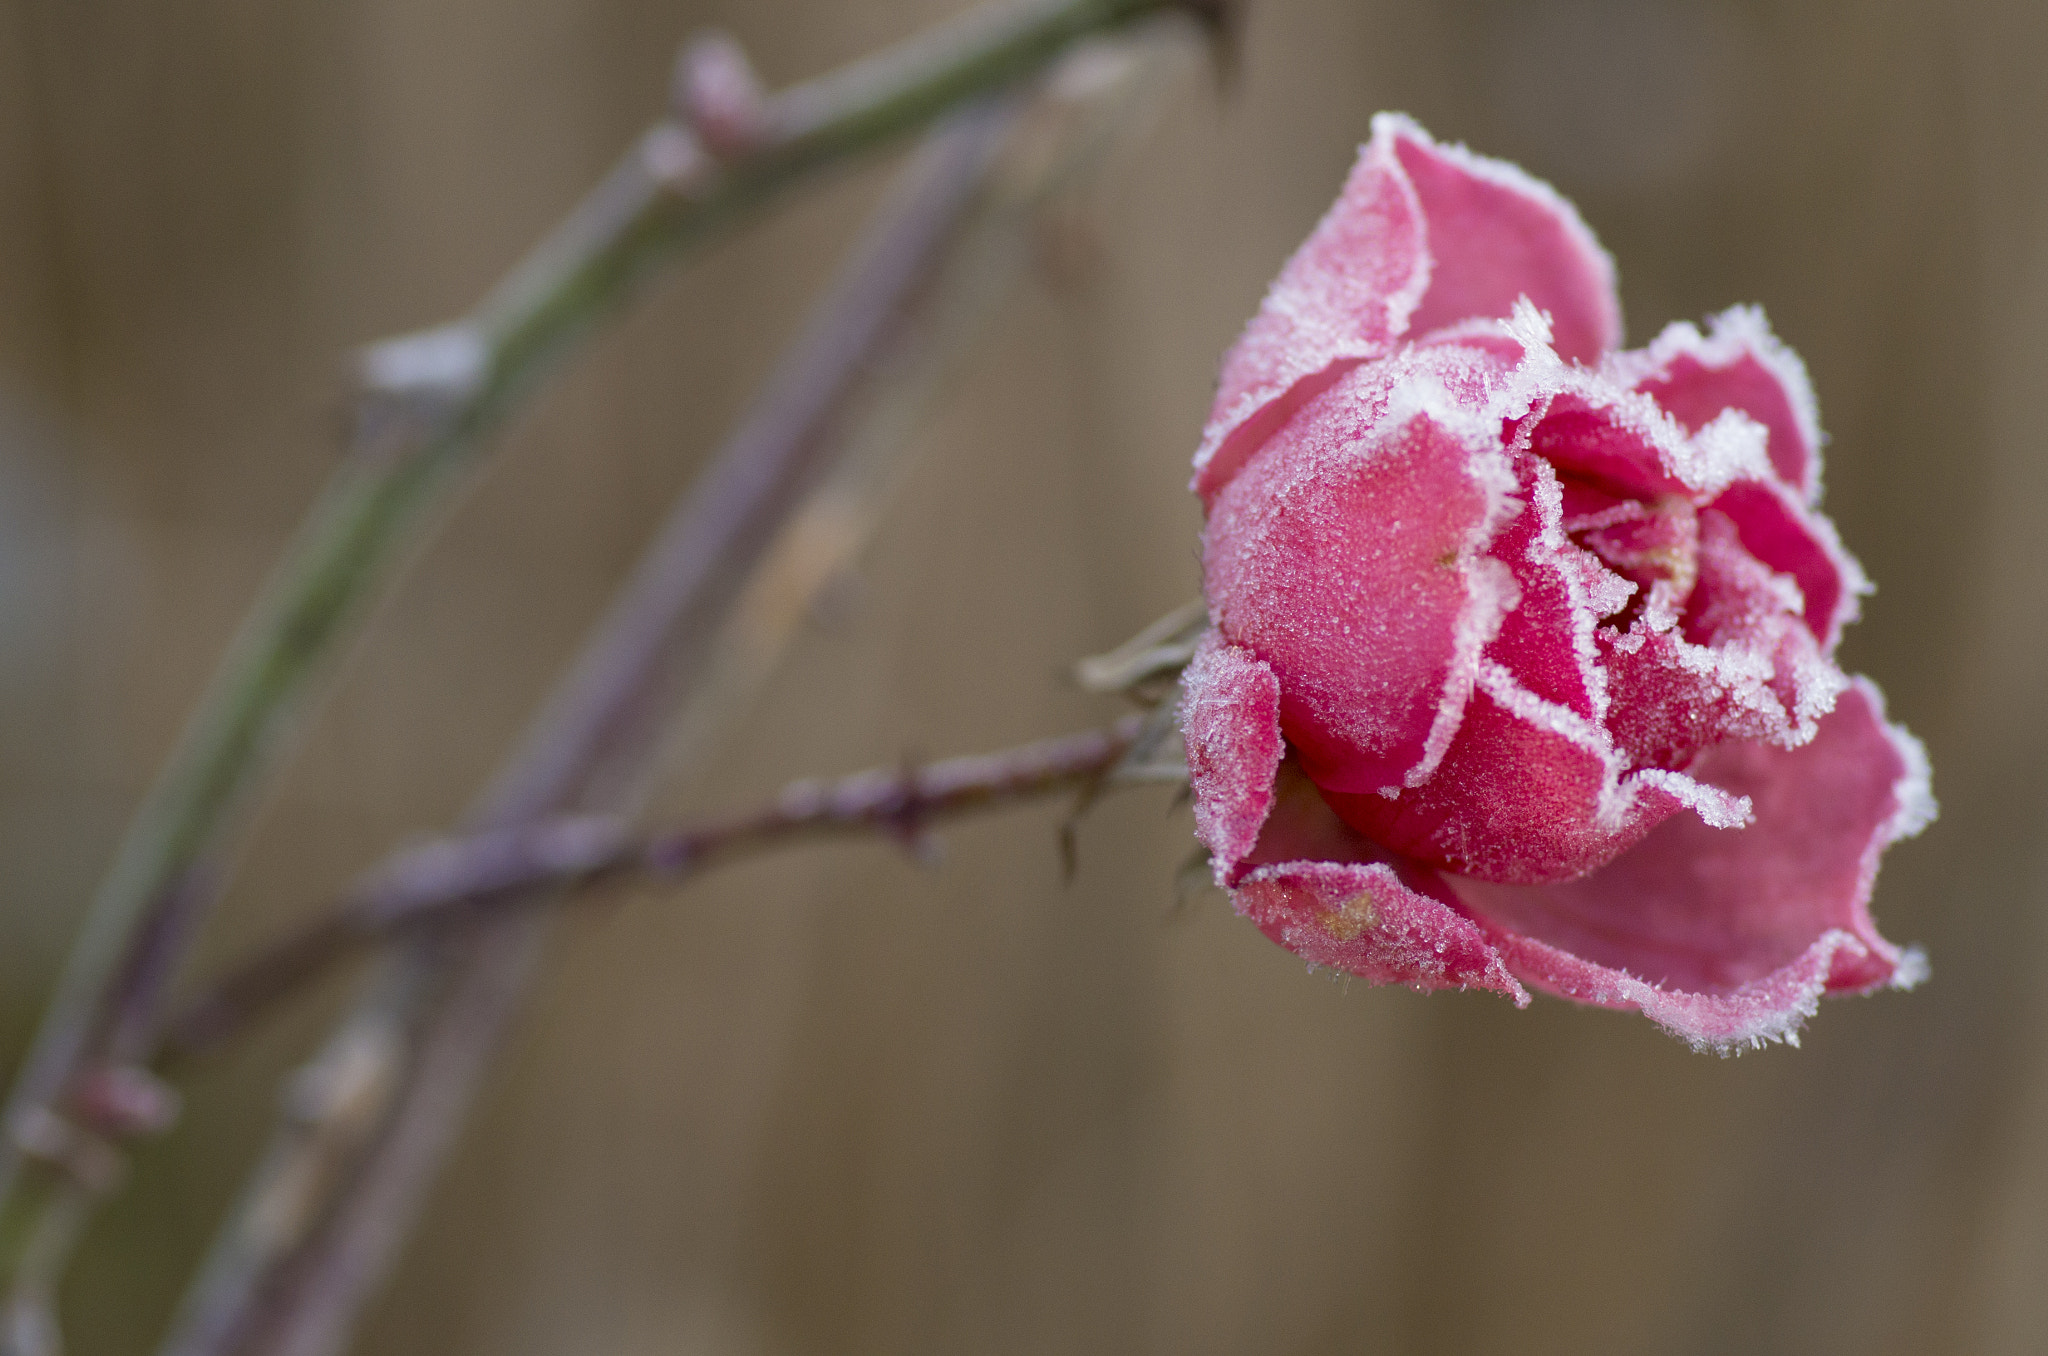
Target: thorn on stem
442	364
906	818
124	1101
675	158
350	1083
717	94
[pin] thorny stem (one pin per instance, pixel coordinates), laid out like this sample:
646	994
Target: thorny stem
336	1191
375	1113
478	875
431	401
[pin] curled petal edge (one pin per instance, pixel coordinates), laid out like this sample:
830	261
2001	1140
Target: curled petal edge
1496	233
1737	364
1841	953
1392	921
1344	296
1764	1010
1795	540
1424	235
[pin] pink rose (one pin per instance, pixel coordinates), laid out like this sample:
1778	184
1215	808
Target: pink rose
1521	665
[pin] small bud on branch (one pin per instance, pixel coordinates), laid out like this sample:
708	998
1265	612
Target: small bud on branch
718	95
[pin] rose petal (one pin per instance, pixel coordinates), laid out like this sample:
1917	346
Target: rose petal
1301	827
1529	792
1739	364
1345	295
1744	608
1230	722
1335	899
1548	641
1421	237
1768	1009
1365	920
1726	936
1595	429
1495	234
1347	556
1673	698
1742	666
1795	540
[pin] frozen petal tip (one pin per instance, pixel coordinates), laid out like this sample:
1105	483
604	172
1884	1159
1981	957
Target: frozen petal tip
1423	236
1497	233
1737	365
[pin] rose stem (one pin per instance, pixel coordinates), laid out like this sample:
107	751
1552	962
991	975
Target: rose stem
479	875
429	403
350	1177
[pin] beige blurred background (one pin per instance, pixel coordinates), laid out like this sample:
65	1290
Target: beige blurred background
830	1103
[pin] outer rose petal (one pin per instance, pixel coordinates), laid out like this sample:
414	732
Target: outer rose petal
1335	899
1230	722
1365	921
1345	295
1767	1009
1422	236
1497	234
1373	633
1739	364
1728	937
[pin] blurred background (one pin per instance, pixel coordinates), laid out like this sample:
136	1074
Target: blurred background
832	1103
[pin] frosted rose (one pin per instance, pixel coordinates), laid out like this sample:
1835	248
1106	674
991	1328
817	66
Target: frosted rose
1521	666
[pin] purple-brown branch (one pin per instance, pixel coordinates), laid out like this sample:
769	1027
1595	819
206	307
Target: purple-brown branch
347	1185
436	398
495	870
433	1013
334	1197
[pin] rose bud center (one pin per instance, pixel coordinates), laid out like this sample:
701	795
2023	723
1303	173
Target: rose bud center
1655	546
